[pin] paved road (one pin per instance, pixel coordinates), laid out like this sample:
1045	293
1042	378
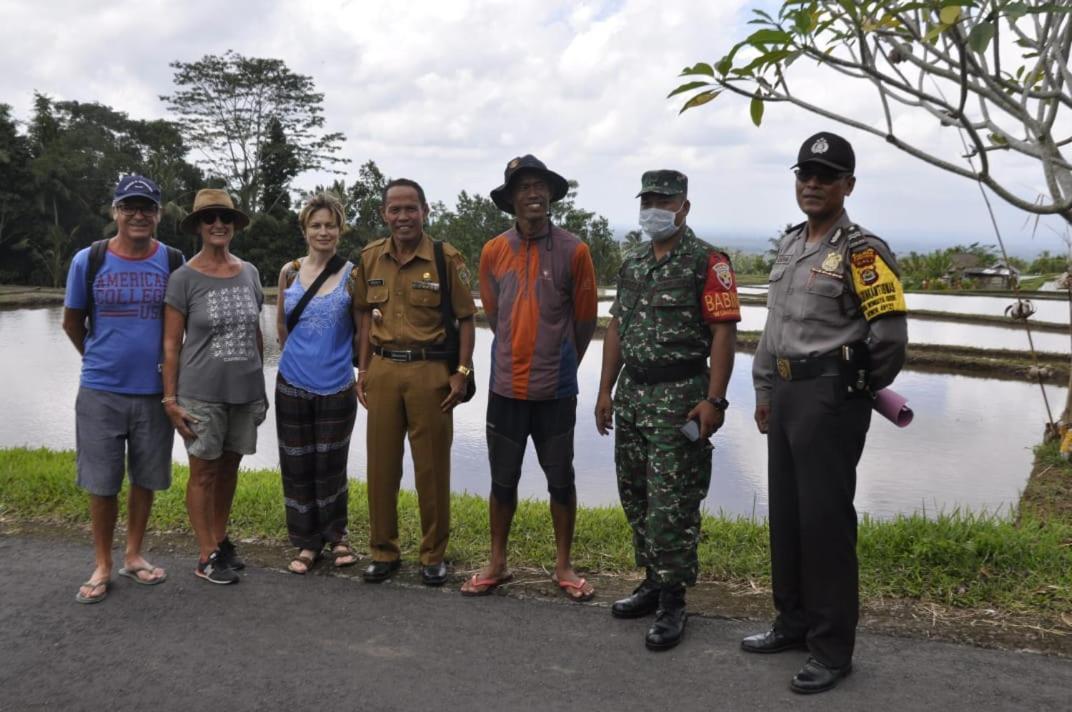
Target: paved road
281	642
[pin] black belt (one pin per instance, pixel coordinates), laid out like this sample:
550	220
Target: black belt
407	355
665	374
801	369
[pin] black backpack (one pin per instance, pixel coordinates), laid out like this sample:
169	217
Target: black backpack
97	252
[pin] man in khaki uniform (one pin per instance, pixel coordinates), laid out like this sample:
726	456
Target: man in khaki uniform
404	380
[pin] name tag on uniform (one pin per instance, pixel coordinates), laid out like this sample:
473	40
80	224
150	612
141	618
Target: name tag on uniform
430	286
781	259
375	283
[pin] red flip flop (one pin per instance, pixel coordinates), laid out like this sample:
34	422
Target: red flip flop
578	585
489	584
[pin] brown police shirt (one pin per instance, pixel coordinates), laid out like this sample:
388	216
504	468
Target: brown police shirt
407	295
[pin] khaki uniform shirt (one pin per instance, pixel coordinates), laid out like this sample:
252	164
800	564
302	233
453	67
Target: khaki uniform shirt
407	295
840	290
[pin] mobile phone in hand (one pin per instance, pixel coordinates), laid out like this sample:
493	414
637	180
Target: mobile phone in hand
691	430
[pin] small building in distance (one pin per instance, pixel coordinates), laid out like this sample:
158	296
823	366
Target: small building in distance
997	276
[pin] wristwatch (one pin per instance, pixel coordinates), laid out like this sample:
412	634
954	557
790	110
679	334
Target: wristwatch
720	403
464	370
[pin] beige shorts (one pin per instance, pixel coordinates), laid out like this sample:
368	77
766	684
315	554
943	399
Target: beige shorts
223	427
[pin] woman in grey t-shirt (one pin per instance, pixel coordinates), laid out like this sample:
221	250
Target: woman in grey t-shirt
213	380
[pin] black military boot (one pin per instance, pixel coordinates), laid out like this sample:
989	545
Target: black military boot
669	626
645	600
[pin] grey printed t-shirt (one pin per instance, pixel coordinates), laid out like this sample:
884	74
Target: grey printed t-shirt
220	361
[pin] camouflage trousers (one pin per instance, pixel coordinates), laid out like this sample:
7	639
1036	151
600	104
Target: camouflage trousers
662	479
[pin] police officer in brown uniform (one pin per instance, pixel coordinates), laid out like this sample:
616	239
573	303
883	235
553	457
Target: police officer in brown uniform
835	334
404	380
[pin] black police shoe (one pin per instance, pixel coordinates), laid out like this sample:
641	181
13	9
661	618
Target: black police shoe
817	677
434	574
644	601
773	641
380	571
669	626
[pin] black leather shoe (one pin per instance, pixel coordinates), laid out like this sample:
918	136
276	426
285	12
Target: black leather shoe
380	571
816	677
644	601
434	574
669	626
772	641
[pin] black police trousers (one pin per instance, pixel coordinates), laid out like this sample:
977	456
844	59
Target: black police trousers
814	441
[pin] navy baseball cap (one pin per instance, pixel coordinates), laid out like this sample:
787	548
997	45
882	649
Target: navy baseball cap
135	186
827	149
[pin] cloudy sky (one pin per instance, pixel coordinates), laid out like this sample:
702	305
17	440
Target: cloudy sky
447	91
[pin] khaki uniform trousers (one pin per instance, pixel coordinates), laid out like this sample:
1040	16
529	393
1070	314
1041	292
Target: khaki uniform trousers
404	398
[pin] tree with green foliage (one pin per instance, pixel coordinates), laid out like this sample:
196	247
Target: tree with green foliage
279	166
996	70
594	230
17	218
226	105
76	153
364	199
474	220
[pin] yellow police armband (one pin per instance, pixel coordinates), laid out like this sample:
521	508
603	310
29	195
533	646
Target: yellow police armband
876	284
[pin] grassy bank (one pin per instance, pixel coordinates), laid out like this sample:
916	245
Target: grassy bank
1016	564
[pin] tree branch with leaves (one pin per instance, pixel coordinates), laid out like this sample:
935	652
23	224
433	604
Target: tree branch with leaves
994	69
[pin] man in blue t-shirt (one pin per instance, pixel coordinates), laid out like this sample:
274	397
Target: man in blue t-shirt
117	327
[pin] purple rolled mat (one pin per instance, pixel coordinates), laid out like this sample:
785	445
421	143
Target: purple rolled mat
892	406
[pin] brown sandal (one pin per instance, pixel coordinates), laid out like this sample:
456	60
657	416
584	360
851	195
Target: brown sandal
305	560
341	550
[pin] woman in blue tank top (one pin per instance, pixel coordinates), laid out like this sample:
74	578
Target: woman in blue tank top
315	398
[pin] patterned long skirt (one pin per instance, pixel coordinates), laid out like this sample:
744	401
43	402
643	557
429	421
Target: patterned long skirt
314	443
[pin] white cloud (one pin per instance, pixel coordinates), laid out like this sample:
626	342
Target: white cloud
447	91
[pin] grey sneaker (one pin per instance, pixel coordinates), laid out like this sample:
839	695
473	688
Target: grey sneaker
229	555
214	571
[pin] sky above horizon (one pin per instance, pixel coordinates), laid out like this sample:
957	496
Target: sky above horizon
447	92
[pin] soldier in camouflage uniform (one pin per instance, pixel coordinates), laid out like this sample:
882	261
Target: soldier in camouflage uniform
676	307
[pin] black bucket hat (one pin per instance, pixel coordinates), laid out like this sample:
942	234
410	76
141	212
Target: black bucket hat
501	195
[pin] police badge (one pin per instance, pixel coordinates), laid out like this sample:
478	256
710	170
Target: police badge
831	261
820	146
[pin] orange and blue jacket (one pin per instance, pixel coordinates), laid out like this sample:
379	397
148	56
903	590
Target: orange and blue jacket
539	295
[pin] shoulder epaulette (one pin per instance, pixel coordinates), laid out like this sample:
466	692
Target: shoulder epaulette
374	243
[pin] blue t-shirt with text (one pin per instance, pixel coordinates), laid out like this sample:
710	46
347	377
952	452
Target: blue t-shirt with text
124	352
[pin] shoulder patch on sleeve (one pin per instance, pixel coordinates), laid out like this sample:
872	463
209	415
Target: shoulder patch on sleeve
719	300
876	284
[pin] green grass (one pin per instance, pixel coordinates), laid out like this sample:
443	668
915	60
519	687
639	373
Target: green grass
1016	564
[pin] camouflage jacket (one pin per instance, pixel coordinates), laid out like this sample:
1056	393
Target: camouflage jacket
664	309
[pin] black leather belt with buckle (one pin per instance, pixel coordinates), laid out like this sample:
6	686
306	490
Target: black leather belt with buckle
407	355
801	369
666	374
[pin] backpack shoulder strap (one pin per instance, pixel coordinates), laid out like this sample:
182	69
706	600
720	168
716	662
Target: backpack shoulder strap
97	252
446	307
174	258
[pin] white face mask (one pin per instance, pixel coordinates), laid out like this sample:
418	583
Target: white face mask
658	224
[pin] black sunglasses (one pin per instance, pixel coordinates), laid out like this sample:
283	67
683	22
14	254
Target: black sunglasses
210	217
826	176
